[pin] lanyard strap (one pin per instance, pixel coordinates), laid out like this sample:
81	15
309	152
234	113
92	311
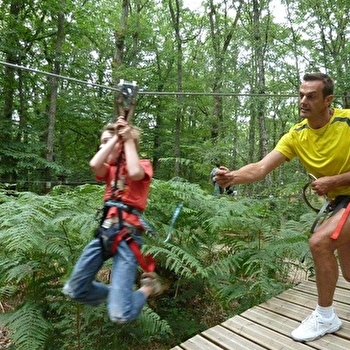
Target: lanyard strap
341	222
122	206
146	262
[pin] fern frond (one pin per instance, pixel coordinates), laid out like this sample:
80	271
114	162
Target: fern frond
152	324
178	260
7	291
28	328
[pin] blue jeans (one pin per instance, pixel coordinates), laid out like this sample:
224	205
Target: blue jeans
123	303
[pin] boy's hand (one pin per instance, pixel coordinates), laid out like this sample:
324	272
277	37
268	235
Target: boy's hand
124	130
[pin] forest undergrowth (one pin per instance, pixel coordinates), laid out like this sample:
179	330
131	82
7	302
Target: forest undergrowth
225	255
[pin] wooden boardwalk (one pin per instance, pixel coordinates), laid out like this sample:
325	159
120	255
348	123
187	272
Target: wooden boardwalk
268	326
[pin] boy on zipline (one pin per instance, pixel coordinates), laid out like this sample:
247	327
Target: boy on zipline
127	179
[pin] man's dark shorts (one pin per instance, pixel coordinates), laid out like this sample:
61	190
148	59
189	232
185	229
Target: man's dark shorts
340	202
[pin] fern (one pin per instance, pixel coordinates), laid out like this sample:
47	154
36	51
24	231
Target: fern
228	250
178	260
152	325
27	326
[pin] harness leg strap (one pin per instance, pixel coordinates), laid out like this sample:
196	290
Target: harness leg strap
341	222
146	262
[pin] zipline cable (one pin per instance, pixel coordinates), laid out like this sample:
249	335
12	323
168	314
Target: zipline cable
141	92
58	76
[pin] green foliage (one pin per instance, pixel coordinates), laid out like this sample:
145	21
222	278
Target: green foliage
213	58
29	328
227	253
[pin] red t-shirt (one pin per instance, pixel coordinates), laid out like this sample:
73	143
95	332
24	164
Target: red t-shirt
135	193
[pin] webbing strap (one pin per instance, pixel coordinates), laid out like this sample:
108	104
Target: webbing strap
322	215
341	222
120	205
146	262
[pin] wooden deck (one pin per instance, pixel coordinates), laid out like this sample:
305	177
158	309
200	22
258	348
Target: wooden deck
268	326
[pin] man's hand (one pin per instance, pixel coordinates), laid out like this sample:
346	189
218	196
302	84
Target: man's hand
322	185
224	177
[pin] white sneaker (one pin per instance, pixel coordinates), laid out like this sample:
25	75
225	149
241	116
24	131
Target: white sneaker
315	326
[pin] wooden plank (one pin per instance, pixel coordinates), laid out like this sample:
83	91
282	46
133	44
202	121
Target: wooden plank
285	325
331	342
296	297
199	343
268	326
340	295
279	323
261	335
225	338
285	308
341	283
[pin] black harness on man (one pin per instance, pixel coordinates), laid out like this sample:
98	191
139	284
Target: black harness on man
109	233
327	209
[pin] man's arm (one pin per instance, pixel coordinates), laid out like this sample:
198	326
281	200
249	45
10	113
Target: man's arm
251	172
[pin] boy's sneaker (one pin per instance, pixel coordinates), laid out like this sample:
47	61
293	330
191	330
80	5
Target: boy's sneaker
151	279
315	326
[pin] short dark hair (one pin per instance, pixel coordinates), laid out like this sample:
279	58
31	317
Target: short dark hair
328	82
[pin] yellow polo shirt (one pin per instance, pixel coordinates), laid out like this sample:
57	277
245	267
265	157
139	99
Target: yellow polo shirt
323	152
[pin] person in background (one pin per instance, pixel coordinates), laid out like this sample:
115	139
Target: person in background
217	189
321	141
229	190
134	178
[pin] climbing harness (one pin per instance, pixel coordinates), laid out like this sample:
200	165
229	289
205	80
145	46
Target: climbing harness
322	213
327	209
341	222
129	209
111	237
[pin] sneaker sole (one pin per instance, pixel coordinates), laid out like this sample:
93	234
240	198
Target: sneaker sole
319	336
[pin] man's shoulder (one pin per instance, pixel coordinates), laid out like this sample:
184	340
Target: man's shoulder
341	113
300	126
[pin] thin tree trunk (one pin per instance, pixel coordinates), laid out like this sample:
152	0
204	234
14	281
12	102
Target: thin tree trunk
259	57
53	84
9	88
175	16
219	59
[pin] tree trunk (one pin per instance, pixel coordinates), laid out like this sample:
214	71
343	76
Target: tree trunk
12	52
53	85
219	52
259	48
175	17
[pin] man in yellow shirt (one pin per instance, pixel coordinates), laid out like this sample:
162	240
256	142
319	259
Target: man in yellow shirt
322	143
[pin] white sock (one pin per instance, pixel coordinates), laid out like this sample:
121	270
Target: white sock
325	312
